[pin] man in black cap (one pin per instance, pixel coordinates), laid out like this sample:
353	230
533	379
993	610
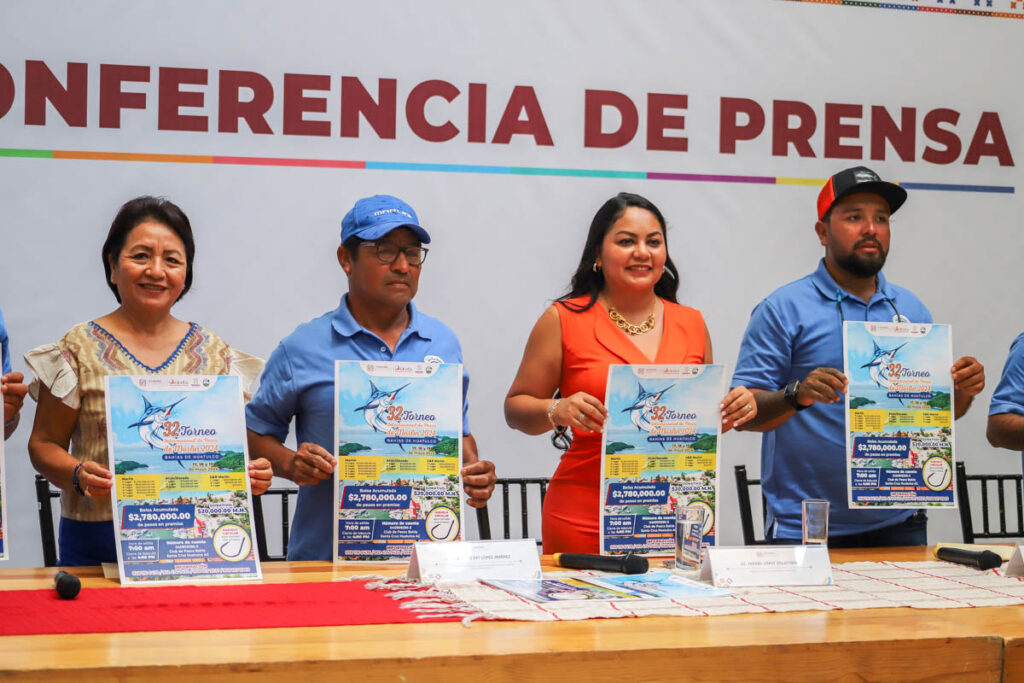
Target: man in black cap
791	354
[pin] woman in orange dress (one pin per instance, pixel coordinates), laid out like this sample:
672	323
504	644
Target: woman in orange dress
621	308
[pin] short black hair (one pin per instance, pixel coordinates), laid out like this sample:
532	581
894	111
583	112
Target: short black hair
352	244
139	210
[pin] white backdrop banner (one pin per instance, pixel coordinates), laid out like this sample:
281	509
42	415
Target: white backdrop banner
506	126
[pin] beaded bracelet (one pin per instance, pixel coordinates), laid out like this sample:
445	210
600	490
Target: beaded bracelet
551	412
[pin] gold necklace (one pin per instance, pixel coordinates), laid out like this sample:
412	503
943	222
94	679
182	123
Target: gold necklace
628	327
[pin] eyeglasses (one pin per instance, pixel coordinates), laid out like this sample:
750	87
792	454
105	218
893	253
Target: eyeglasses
388	252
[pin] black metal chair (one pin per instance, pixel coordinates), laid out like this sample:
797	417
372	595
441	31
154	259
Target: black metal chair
743	484
261	528
44	496
1001	482
483	519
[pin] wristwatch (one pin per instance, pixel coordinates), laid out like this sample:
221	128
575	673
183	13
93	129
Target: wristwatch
790	392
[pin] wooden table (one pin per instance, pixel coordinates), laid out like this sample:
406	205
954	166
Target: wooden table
876	644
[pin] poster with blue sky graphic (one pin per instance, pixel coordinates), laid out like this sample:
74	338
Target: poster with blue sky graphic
181	498
3	483
398	440
899	415
659	453
3	501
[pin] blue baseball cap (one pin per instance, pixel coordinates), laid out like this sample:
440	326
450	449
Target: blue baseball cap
373	217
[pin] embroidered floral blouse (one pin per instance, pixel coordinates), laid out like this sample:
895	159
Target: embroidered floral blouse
73	370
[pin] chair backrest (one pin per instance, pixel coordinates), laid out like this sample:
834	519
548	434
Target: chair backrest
502	487
989	484
743	484
44	496
261	529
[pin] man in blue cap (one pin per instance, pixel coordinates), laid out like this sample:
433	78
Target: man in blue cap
1006	411
382	254
791	357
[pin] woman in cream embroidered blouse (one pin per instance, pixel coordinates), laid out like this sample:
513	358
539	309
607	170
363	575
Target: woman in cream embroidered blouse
147	257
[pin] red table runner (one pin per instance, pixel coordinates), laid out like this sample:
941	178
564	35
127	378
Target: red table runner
198	608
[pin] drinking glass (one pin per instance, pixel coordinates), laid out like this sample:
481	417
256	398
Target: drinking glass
815	522
689	536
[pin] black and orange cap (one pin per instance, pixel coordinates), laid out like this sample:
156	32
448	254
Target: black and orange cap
858	179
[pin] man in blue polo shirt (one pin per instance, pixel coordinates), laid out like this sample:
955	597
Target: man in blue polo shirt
12	384
1006	412
382	254
791	354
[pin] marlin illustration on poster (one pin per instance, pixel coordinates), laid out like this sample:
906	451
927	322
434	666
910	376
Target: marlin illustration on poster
881	364
642	408
150	425
880	356
375	410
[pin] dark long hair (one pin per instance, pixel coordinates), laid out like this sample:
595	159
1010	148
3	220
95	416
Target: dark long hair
140	210
588	282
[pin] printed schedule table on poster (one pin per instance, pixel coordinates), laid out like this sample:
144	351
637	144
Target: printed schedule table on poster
894	644
659	453
899	414
398	431
182	504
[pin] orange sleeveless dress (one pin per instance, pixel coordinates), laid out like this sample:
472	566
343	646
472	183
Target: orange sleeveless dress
590	343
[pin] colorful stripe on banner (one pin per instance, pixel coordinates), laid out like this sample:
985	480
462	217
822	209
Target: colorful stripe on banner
934	9
464	168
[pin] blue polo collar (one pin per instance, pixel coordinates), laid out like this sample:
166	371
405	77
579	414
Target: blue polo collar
830	289
345	325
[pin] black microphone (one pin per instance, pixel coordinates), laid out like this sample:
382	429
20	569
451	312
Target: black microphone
67	585
979	559
624	564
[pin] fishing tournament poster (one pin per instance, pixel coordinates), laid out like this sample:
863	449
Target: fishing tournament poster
181	496
899	414
660	452
3	487
398	440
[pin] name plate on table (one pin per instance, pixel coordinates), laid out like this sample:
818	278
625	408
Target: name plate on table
769	565
473	560
1016	566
